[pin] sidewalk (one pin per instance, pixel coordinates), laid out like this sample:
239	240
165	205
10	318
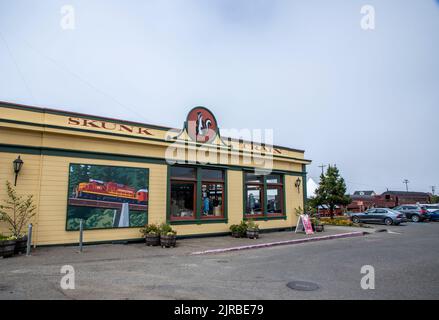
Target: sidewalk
115	252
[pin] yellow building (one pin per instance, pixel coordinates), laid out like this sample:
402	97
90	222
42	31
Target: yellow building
118	175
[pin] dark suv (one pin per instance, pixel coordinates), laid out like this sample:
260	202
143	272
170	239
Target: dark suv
414	213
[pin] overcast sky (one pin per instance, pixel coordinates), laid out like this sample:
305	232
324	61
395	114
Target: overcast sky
365	100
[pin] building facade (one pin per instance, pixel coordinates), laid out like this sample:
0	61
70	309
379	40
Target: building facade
117	175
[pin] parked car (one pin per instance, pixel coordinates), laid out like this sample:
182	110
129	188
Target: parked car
414	213
434	216
430	207
379	215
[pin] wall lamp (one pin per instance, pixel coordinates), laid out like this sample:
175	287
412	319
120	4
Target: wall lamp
18	163
297	184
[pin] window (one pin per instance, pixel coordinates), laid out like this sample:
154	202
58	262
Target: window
212	190
255	199
263	195
183	186
196	193
182	200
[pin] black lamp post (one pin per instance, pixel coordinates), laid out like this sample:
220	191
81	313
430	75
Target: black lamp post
297	184
18	163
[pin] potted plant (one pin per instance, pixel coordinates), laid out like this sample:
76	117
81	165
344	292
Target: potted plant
252	230
316	225
151	233
168	237
7	246
239	230
235	229
17	211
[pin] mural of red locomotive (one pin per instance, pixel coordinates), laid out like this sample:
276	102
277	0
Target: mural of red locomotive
107	197
110	191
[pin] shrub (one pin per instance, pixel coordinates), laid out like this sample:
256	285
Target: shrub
241	229
16	211
252	225
150	229
166	230
234	228
6	238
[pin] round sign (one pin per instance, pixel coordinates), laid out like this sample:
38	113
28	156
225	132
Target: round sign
201	125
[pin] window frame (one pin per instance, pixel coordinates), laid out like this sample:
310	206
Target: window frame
194	210
207	182
265	214
197	218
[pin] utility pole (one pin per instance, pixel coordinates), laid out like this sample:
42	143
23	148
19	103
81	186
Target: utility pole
406	182
323	167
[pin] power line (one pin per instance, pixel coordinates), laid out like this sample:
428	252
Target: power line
18	69
323	167
88	83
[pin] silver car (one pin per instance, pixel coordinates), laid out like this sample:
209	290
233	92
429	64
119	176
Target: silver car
379	215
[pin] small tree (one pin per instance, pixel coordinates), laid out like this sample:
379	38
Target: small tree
16	211
331	191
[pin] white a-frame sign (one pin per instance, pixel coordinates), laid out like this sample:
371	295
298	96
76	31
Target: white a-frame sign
304	224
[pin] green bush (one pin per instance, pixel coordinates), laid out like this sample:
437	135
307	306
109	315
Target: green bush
6	238
241	229
252	225
150	229
166	230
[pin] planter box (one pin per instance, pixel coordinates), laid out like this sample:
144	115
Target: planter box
21	245
7	248
168	241
152	240
252	233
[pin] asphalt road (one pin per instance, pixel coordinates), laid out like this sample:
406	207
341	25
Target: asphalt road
406	263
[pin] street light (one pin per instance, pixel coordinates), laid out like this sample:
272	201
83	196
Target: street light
297	184
18	163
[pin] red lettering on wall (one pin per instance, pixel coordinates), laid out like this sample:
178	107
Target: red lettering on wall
74	121
144	131
126	128
105	125
90	123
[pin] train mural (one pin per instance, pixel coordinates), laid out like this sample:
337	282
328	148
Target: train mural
106	197
110	191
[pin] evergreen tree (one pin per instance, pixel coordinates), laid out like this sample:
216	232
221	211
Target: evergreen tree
331	191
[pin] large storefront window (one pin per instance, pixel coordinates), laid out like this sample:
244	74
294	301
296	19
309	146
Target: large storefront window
196	193
212	190
182	200
263	195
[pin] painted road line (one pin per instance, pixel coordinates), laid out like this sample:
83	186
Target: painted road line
280	243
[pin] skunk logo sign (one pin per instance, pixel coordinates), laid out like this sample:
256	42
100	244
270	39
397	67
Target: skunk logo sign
201	125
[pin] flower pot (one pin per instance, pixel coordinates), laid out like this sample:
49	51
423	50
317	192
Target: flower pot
319	228
168	241
253	233
21	245
236	234
7	248
152	240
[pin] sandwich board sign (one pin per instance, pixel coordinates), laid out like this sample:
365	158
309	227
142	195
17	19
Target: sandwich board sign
304	224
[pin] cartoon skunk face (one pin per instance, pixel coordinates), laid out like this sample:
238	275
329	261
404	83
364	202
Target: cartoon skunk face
202	126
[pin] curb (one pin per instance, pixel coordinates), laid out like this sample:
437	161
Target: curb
281	243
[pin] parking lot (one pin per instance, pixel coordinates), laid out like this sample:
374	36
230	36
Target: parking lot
405	261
